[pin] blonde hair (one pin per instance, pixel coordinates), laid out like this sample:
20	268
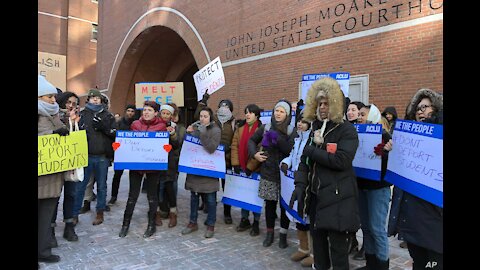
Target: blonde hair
385	124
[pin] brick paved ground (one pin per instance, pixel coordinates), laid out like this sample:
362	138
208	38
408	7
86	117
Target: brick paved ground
99	247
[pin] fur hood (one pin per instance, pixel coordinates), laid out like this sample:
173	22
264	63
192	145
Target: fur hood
329	88
435	98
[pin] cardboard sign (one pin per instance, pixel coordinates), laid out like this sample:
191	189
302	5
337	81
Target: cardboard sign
160	92
366	163
210	77
141	150
194	159
242	191
287	187
62	153
343	79
415	163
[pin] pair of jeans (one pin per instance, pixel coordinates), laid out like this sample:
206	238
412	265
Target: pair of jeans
245	214
211	204
373	206
69	189
98	166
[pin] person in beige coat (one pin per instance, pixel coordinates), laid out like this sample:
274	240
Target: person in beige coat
49	185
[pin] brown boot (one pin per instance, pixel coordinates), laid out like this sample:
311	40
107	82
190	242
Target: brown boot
173	219
158	219
303	250
99	219
307	262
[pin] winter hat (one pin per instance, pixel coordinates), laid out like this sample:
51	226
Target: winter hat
152	104
62	98
168	108
284	105
94	93
45	87
226	102
130	106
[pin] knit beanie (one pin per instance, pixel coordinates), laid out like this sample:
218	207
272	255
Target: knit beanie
94	93
168	108
130	106
45	87
284	105
226	102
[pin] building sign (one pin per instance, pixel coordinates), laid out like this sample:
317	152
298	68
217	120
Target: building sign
54	68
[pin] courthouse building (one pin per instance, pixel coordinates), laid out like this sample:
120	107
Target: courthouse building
391	48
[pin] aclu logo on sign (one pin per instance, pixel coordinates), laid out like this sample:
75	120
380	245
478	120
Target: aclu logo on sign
342	76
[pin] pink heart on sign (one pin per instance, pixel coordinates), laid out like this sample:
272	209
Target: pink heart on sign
115	146
167	147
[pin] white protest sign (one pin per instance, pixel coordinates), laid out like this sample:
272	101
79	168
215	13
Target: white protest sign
141	150
210	77
415	163
242	191
343	79
194	159
287	187
366	163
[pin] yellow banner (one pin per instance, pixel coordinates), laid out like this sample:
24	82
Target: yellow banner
62	153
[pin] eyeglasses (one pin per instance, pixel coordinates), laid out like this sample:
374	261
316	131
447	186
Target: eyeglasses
423	107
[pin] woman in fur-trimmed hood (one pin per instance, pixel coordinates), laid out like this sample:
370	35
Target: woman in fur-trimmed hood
325	182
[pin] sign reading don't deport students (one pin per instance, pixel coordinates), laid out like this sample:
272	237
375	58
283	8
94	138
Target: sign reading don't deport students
210	78
160	92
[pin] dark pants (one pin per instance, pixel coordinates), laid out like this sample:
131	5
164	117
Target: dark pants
117	175
226	207
424	258
69	188
271	215
323	239
45	208
152	192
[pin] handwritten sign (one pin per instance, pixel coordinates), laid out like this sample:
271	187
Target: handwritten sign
415	163
210	77
287	187
54	68
242	191
141	150
366	163
343	79
62	153
194	159
160	92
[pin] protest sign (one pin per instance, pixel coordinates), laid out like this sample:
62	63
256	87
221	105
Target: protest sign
343	79
160	92
141	150
242	191
62	153
287	187
366	163
210	77
415	163
194	159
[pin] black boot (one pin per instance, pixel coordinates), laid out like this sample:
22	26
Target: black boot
360	255
244	225
353	245
255	230
268	239
125	225
151	228
382	265
85	208
371	262
53	239
69	232
283	241
227	214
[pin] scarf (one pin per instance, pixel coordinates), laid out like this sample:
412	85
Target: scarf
243	147
47	109
224	114
95	108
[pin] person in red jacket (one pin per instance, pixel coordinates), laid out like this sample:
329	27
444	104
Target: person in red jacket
148	122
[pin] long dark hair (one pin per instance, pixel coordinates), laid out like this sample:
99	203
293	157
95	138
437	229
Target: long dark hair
210	112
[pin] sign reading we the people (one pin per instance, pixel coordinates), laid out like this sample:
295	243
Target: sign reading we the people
242	191
415	163
343	79
141	150
62	153
210	78
286	189
160	92
194	159
366	163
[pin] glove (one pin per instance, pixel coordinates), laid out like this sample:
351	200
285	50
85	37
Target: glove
284	168
378	150
317	138
248	172
236	169
298	195
97	124
63	131
205	97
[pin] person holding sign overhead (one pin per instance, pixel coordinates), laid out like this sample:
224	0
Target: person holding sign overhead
50	185
418	221
148	122
209	134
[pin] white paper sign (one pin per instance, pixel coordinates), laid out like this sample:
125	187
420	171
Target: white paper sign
287	187
366	163
141	150
194	159
343	79
415	163
210	77
242	191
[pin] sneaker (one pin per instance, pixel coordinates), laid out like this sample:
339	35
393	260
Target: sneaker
209	232
244	225
112	201
191	227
